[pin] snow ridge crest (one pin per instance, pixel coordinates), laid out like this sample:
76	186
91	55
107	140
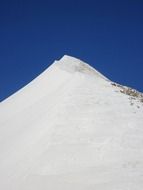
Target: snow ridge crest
72	65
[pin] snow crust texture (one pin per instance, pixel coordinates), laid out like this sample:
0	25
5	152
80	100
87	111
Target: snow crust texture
72	129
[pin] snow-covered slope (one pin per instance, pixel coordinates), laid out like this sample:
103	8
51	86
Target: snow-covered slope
72	129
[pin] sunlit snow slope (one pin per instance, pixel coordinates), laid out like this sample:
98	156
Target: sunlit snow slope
72	129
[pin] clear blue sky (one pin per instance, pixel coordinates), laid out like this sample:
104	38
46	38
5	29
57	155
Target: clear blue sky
108	34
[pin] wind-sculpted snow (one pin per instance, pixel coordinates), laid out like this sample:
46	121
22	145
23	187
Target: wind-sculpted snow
71	129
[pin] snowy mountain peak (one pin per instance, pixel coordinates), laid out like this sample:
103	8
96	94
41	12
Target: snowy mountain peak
69	58
72	129
72	65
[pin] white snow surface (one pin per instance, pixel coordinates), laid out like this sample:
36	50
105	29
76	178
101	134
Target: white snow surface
71	129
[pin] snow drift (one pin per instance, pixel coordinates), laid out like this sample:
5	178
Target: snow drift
72	129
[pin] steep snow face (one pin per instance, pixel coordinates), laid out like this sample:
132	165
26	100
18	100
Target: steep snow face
72	128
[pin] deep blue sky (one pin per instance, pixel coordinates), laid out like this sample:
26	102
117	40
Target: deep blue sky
108	34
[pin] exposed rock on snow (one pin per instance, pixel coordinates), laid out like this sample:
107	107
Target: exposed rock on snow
134	94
